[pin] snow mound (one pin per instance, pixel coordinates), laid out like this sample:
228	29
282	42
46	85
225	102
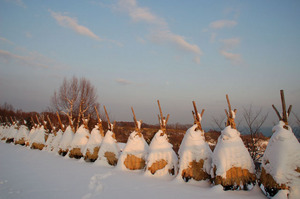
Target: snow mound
39	136
32	134
11	133
282	158
194	148
65	143
109	150
94	140
23	134
3	131
230	152
49	141
137	146
161	152
56	141
80	139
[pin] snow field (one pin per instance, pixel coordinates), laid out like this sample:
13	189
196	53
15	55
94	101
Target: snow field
230	152
38	174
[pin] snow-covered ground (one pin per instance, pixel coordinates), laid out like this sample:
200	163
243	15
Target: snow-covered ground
34	174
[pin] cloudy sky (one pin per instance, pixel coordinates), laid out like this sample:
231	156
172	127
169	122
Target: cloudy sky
135	52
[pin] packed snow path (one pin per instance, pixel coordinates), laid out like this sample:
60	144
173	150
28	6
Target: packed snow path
34	174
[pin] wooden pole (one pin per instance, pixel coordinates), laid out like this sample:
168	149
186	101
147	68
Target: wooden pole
44	123
99	122
229	105
196	116
108	121
277	112
165	125
202	112
134	119
196	111
137	128
61	125
11	119
33	123
162	121
71	123
160	111
284	116
230	119
289	110
52	127
37	118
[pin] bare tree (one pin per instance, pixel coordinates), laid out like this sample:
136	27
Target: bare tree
76	99
254	122
219	122
297	129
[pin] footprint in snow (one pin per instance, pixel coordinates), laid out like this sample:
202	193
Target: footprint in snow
95	185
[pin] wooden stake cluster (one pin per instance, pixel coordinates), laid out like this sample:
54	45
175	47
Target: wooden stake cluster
137	127
100	126
196	116
60	123
11	119
285	114
229	114
162	120
86	121
110	126
38	121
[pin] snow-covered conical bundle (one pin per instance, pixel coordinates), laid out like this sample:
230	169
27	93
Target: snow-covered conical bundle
11	133
161	160
2	127
51	135
38	141
109	150
135	152
22	136
194	153
4	131
232	165
281	160
56	141
93	145
65	142
48	145
79	141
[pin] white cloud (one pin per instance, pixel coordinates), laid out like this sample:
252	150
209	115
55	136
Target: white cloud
139	14
123	81
160	31
72	23
235	59
6	41
31	59
230	43
222	24
179	41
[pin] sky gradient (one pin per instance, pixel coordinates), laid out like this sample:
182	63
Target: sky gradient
135	52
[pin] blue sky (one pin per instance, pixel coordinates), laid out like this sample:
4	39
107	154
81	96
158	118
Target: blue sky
135	52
